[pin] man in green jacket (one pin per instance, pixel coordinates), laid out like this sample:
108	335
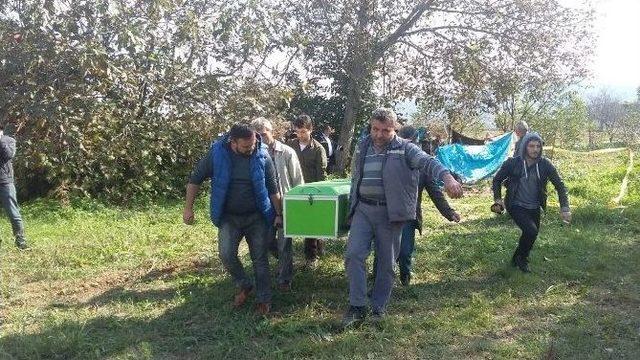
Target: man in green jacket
313	161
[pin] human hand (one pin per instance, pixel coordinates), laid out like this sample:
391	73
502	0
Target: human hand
498	206
452	187
455	217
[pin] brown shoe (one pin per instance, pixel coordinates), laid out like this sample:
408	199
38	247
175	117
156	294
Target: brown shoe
263	308
284	287
241	297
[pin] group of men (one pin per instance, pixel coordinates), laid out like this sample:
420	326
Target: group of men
251	171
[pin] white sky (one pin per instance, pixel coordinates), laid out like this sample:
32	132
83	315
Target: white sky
616	64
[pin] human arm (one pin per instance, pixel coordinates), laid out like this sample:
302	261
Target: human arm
202	171
321	163
498	179
441	203
7	148
419	159
294	169
563	196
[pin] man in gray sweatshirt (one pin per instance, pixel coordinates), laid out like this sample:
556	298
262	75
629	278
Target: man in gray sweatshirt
8	189
528	174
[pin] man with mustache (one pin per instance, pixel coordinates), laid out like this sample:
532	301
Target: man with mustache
244	203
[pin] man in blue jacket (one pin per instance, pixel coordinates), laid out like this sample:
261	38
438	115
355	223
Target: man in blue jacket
384	192
527	175
245	202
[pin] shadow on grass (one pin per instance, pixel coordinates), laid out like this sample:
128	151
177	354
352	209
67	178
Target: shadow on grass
192	316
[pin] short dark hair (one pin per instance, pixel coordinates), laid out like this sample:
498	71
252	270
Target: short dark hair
240	131
385	115
303	121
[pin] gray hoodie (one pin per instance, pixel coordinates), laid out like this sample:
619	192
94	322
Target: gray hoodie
527	195
519	174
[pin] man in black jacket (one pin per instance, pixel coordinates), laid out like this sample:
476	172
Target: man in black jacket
527	175
407	243
8	189
323	136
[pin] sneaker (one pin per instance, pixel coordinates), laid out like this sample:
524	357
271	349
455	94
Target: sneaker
263	308
513	259
22	245
354	316
405	279
241	297
523	264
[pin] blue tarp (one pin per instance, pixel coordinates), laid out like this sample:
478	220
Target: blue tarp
476	162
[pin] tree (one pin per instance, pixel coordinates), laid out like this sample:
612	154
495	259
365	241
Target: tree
116	98
606	111
352	41
565	125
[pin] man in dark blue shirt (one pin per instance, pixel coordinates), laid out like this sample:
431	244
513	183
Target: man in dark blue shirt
244	203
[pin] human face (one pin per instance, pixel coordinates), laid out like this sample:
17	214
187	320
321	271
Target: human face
534	148
382	132
303	134
267	135
520	133
244	147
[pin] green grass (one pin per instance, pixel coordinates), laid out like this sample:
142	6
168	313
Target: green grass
104	282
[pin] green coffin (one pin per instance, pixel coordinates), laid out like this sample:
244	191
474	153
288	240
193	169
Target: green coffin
317	210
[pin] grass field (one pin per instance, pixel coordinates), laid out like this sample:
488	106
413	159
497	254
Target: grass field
104	282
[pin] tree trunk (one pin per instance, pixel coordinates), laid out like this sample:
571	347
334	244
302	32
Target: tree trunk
352	107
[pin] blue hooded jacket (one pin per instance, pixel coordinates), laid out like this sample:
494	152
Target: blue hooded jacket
222	178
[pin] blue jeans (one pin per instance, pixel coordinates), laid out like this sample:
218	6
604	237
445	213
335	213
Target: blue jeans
11	208
284	248
407	247
254	229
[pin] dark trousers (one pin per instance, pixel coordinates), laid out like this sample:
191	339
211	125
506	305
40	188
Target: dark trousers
254	229
529	222
313	248
10	204
407	247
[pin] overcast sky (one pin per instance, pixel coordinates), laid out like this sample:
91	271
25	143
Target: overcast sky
616	65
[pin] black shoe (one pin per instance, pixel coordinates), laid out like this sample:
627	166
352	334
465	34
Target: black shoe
354	316
22	245
405	279
377	316
523	264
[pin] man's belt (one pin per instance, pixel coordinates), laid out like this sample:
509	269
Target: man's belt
373	202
